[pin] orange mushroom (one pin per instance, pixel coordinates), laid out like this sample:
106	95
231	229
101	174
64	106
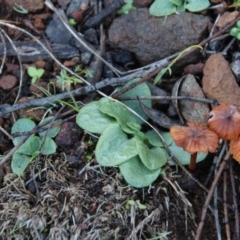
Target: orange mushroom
225	121
194	138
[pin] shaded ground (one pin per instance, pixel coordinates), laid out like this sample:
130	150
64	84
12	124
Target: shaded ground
67	195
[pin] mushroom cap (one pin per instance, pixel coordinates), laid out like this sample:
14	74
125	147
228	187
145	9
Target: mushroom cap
225	121
235	149
195	137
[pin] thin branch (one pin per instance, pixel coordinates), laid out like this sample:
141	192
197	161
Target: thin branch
235	202
225	208
5	109
209	196
194	99
20	64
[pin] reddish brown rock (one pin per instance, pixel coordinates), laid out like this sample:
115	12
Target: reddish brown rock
8	82
12	67
227	18
151	38
194	68
219	82
69	134
39	24
40	64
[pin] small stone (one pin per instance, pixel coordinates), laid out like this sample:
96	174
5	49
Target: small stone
71	63
76	5
8	82
194	68
227	18
235	66
40	64
11	67
39	24
219	82
56	31
30	112
68	135
192	110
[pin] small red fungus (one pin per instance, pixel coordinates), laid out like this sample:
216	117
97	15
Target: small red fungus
194	138
225	121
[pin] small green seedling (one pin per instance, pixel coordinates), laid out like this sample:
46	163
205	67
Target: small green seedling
35	73
137	204
28	151
235	31
66	81
139	155
126	8
20	9
161	8
84	72
72	22
168	68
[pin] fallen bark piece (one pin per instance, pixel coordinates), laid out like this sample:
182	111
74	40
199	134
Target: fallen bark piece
32	51
219	82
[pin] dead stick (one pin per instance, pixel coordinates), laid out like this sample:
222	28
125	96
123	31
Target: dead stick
235	203
209	196
101	16
225	208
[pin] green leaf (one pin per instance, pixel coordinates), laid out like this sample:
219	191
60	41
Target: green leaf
52	132
31	71
234	31
177	2
49	146
31	146
161	8
19	163
35	73
154	139
153	158
40	72
91	119
140	90
126	8
114	148
196	5
136	174
22	125
124	117
183	156
238	24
